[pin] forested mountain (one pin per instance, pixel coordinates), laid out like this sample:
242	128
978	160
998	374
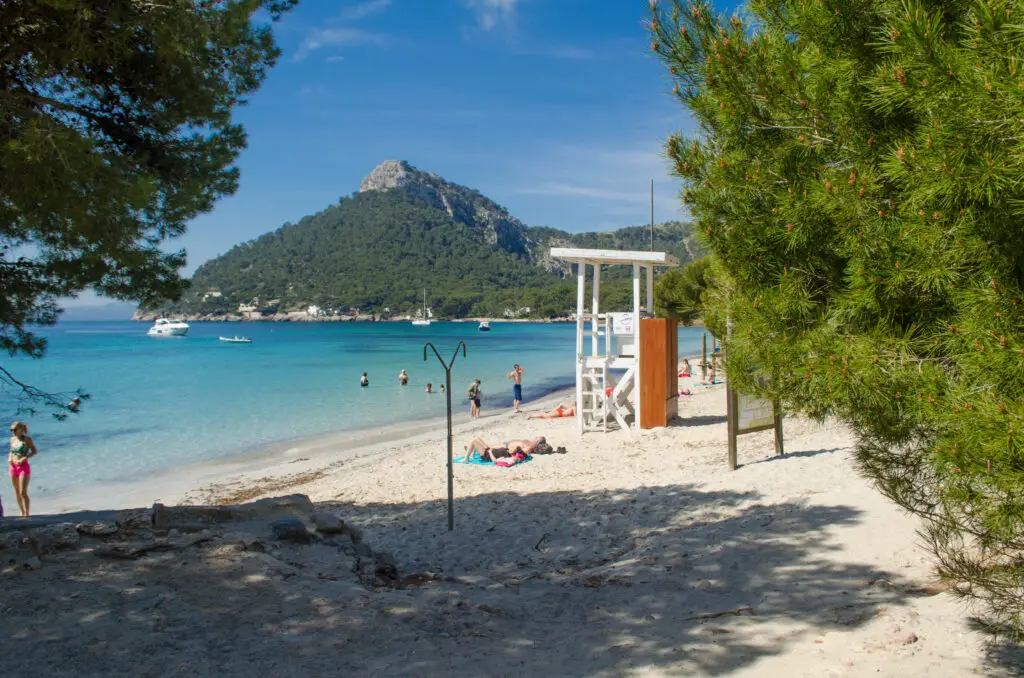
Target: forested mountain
404	231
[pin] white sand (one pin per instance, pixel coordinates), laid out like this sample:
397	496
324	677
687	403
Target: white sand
613	559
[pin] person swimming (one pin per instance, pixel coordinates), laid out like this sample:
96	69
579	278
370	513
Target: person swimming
364	380
403	378
429	388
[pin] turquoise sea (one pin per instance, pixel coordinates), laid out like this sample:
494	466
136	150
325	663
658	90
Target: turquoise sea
159	403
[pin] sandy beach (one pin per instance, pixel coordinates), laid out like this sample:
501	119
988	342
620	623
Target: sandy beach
626	556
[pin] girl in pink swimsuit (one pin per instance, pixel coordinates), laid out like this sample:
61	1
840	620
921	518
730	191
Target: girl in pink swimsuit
22	449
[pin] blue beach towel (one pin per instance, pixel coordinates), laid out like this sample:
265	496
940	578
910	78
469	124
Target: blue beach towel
477	460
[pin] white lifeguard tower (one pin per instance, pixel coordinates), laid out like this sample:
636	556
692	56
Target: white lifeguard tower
599	397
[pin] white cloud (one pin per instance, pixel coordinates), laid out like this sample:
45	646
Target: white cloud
326	37
333	59
557	189
491	13
616	177
364	9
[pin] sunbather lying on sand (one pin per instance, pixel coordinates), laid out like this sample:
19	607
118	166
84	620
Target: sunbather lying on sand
562	410
513	449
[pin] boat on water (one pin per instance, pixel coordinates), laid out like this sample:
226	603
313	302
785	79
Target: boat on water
168	328
424	320
485	326
236	340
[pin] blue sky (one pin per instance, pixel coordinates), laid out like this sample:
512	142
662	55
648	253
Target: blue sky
553	108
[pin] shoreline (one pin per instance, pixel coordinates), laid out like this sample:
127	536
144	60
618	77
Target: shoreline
295	457
303	317
292	459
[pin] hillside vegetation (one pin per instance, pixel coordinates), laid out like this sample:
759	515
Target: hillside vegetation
380	248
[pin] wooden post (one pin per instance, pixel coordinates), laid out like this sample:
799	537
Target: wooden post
703	356
779	449
732	414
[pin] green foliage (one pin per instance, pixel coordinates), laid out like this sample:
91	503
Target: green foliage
679	294
115	119
858	177
380	249
674	237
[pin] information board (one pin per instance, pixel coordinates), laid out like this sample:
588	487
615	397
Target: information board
622	323
753	414
748	414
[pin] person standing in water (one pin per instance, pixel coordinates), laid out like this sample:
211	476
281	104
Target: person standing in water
474	399
403	378
364	380
516	375
22	449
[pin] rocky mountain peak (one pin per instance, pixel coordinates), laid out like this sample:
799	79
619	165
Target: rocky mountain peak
392	174
462	204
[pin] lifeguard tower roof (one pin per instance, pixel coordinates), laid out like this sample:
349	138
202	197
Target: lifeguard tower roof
614	256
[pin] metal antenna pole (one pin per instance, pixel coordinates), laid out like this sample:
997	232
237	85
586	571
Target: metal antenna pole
448	395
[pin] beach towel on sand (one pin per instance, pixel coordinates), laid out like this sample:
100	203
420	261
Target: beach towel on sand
478	461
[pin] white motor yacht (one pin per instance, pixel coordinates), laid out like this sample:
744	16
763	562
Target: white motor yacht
168	328
484	326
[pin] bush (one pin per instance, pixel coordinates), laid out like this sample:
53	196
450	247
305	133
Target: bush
858	179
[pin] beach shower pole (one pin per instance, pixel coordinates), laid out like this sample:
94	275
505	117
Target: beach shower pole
448	395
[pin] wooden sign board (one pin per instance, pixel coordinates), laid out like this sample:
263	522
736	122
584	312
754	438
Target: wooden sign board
748	414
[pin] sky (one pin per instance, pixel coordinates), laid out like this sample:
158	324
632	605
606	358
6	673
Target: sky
555	109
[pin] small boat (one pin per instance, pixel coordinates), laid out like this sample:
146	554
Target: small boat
424	320
485	326
167	328
237	340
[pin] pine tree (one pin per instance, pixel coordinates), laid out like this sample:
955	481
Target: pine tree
116	130
679	292
857	173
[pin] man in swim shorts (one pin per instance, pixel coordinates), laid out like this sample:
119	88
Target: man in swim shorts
516	375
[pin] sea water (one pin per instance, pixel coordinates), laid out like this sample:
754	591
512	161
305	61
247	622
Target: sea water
163	402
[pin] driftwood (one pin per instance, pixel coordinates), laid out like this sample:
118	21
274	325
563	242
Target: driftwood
714	615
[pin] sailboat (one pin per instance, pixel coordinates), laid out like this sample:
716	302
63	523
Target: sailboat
424	320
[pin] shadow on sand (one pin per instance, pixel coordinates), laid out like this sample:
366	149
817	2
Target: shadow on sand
795	455
605	582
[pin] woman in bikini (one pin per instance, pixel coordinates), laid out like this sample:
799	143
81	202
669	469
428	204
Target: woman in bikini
562	410
513	449
22	449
